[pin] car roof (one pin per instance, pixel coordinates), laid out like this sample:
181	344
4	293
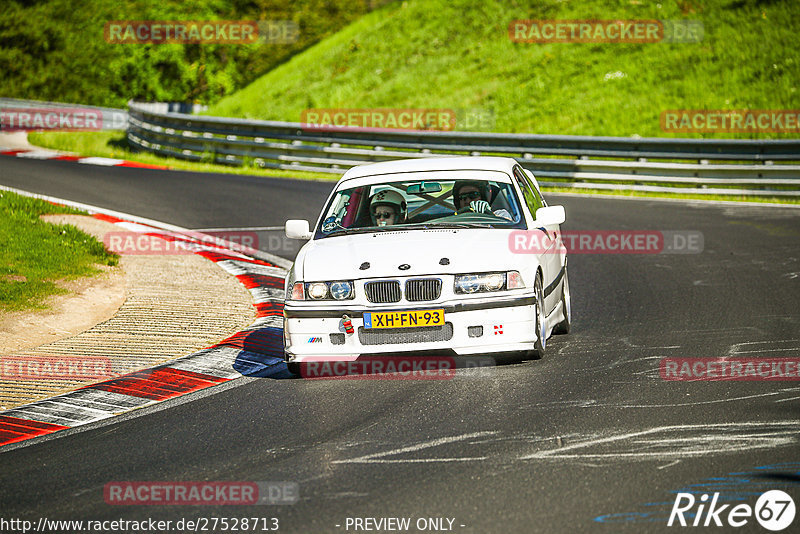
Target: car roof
456	163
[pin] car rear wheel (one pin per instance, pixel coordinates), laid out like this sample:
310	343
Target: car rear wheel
566	306
541	322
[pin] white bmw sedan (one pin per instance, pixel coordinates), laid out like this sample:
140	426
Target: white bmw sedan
419	256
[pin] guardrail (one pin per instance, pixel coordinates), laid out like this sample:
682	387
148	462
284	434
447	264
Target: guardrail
172	107
616	163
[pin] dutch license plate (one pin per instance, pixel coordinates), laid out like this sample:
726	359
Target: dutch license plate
404	319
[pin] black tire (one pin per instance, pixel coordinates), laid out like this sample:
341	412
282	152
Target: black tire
566	303
541	322
294	368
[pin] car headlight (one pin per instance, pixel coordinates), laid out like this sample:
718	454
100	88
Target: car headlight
494	281
468	283
485	282
341	290
317	290
338	290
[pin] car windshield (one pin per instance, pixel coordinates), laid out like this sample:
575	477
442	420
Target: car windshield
440	203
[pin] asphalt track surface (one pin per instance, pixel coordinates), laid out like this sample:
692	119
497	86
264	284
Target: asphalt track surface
588	439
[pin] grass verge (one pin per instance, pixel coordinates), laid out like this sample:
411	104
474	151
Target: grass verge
36	254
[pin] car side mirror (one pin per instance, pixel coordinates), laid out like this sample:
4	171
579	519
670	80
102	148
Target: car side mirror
297	229
550	216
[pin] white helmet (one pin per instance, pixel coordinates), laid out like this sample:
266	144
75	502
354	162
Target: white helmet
388	197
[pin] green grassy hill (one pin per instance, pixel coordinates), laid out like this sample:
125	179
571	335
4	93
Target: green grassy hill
56	49
457	54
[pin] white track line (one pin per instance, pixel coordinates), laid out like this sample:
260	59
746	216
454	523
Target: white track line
559	452
377	457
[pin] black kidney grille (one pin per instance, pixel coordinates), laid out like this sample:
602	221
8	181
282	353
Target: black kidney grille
423	289
383	291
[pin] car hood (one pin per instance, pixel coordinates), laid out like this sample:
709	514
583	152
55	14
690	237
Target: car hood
468	250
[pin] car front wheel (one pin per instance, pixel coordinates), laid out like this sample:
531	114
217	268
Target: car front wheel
294	368
541	322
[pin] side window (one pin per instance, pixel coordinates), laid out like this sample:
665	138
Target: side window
536	192
532	197
539	200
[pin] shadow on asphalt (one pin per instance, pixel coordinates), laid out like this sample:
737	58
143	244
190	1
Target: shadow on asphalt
261	356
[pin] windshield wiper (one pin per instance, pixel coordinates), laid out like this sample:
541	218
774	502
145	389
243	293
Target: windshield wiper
336	231
367	230
459	225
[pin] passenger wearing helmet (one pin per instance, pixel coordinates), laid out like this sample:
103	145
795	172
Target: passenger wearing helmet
387	207
475	196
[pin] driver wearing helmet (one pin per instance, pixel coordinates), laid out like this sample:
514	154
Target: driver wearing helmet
475	196
387	207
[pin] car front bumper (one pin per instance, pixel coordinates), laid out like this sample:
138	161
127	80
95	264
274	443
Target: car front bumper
318	333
